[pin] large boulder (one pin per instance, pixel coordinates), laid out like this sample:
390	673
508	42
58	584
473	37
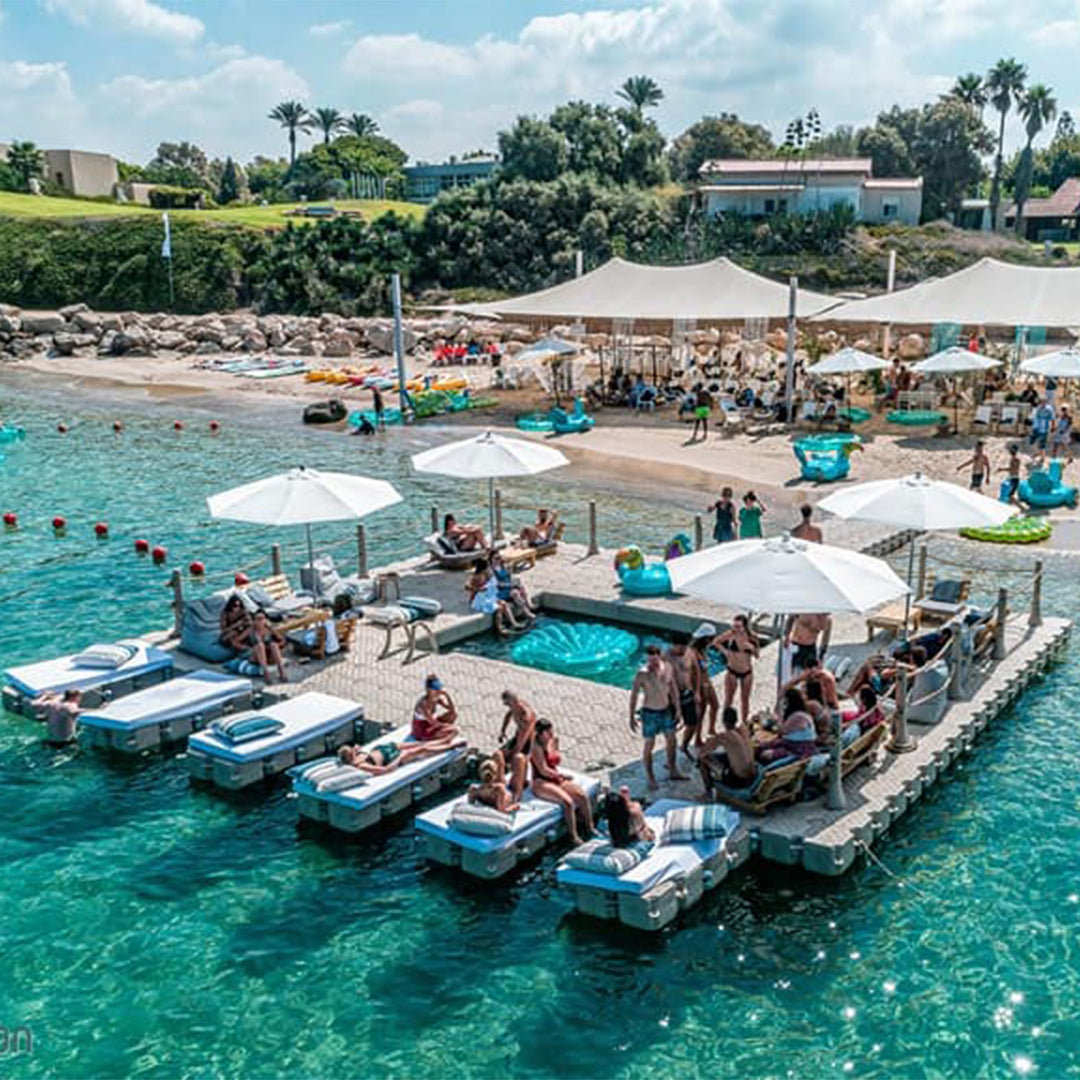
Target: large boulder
10	324
89	322
911	347
10	310
169	339
72	310
339	343
42	322
111	322
380	336
254	341
64	343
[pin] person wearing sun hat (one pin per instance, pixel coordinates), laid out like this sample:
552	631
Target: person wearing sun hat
435	715
707	701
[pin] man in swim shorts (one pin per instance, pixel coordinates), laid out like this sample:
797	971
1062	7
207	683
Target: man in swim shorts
61	715
685	672
809	634
655	686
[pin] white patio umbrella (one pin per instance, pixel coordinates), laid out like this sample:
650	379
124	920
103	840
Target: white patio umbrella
788	577
917	502
955	361
303	497
848	362
1061	364
486	457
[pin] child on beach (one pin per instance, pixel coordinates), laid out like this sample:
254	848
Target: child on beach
979	463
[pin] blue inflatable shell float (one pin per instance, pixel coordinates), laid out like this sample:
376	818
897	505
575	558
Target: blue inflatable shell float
585	650
12	434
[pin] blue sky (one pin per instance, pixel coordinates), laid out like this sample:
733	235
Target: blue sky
444	76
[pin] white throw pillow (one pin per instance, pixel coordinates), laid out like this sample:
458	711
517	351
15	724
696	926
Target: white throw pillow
478	820
104	656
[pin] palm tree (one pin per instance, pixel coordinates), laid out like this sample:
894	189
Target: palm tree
327	121
292	116
971	90
1004	85
1038	107
26	161
642	93
361	125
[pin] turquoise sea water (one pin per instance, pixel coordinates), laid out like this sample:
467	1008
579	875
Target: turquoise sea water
149	929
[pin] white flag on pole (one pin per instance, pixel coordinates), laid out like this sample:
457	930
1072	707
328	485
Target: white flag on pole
166	244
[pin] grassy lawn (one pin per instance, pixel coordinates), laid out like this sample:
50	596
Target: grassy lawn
14	204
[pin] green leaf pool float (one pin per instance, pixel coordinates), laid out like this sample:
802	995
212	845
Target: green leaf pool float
1017	530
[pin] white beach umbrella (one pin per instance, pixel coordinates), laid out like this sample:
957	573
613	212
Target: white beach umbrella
1061	364
955	361
786	576
488	456
303	497
917	502
848	362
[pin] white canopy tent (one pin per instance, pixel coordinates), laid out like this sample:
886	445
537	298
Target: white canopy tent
989	293
715	291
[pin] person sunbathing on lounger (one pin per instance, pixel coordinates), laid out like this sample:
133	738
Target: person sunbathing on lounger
483	589
61	714
868	714
463	537
435	715
553	786
492	790
728	757
879	671
235	624
797	736
386	757
543	532
265	643
626	819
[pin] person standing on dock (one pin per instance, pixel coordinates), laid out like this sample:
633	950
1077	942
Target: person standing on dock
809	636
687	676
724	508
654	685
379	408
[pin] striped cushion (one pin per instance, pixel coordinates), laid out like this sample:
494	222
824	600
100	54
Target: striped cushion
246	727
599	857
690	823
479	820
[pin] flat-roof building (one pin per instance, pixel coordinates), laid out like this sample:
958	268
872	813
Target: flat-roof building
762	188
424	182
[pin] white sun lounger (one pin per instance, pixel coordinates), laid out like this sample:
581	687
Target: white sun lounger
167	712
314	724
670	880
537	824
147	666
358	808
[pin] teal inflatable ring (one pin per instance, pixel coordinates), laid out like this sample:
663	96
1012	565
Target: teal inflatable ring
915	417
534	421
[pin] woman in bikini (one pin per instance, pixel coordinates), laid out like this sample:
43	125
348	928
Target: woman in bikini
235	625
556	787
740	649
492	790
386	757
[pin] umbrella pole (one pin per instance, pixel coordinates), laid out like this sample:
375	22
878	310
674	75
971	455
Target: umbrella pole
491	509
311	558
910	572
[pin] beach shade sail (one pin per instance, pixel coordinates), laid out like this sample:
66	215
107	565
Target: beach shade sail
303	497
489	457
549	346
988	293
786	576
1062	364
714	291
955	361
848	362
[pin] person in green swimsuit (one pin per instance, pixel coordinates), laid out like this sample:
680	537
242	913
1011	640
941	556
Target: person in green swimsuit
386	757
750	517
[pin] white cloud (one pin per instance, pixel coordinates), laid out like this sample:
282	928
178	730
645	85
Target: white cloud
330	29
38	102
224	110
142	17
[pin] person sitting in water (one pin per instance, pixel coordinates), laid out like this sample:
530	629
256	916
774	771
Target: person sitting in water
388	756
507	588
463	537
868	714
492	790
543	532
626	819
61	711
483	590
728	756
265	643
553	786
236	624
513	753
435	715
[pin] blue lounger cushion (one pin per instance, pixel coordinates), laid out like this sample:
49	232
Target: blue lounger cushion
108	657
185	696
62	673
689	823
601	857
247	726
479	820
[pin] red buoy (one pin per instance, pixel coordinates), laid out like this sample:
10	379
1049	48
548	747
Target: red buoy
158	554
178	425
196	568
142	546
241	579
59	524
62	428
11	520
101	530
117	426
214	425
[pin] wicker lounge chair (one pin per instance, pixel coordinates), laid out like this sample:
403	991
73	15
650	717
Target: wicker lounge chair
863	749
944	600
781	784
